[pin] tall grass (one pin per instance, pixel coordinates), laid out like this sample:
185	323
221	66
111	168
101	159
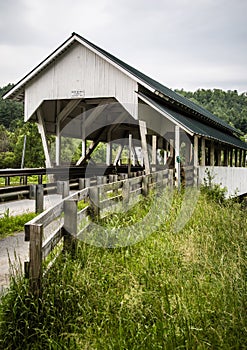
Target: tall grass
11	224
183	290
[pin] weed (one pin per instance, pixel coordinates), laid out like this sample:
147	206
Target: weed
183	290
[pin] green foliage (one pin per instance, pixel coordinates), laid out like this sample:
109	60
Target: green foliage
9	110
212	190
227	105
10	224
184	290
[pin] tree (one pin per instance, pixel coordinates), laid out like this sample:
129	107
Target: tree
9	110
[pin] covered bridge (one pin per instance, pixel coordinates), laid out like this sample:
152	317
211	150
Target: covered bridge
84	92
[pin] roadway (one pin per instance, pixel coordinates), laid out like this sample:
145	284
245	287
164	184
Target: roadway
13	249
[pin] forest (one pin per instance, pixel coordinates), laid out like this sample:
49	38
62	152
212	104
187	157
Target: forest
227	105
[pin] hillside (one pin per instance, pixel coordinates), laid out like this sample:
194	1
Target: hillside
227	105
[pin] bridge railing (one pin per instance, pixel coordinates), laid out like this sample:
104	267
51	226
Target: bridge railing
58	228
234	179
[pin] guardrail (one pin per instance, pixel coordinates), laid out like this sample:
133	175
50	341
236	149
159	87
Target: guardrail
65	221
21	189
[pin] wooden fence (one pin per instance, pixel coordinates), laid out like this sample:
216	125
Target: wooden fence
74	214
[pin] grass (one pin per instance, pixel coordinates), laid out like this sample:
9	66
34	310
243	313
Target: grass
16	180
173	290
11	224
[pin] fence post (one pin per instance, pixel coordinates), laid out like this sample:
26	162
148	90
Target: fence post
63	188
126	192
81	184
87	182
145	187
99	180
35	254
7	181
70	225
40	178
170	178
65	192
94	202
39	199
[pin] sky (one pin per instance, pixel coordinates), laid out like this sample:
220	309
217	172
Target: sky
187	44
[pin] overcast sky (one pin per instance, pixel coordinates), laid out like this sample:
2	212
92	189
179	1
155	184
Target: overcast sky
186	44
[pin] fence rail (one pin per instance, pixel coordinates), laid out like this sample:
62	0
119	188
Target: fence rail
74	214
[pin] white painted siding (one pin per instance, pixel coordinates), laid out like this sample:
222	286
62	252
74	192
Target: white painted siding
234	179
82	71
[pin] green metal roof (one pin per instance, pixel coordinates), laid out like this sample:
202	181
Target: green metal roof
164	90
197	127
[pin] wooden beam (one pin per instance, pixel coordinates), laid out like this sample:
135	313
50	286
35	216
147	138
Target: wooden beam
95	113
71	105
42	131
143	133
118	155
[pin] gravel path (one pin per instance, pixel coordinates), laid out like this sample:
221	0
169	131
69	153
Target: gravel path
14	250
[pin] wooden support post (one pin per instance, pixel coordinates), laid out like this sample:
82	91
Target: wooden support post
195	158
226	157
70	225
212	153
65	192
24	180
118	155
40	179
143	133
145	185
63	188
42	131
126	193
154	152
58	135
94	202
244	159
35	254
231	157
170	177
108	149
87	182
177	155
130	155
196	150
219	157
39	199
7	181
203	150
236	157
99	180
240	158
81	184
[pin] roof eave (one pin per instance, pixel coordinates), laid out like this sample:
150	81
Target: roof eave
19	88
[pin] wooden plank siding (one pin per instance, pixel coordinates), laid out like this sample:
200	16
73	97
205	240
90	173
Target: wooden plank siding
80	70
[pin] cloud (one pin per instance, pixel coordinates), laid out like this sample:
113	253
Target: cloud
186	40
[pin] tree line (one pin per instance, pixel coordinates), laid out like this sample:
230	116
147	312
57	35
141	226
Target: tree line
227	105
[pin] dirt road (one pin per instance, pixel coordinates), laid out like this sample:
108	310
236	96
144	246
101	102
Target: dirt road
13	251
